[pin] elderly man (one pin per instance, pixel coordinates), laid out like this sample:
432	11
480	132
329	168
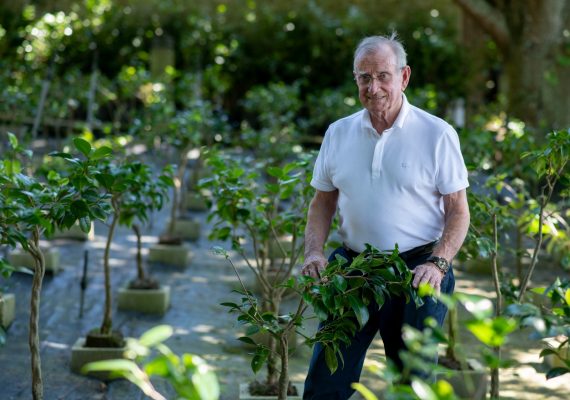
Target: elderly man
396	176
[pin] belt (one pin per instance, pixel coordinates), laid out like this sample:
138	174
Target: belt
406	255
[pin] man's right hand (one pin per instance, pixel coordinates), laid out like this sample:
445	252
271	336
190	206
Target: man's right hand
313	265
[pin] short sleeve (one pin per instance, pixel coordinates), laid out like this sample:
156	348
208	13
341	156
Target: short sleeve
451	173
321	175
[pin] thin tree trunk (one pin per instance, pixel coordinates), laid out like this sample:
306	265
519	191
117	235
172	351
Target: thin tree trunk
495	385
91	95
34	337
43	95
107	324
178	184
140	270
284	376
545	198
452	334
272	371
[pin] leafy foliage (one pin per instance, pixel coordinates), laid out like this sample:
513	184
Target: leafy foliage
343	298
347	292
189	375
549	317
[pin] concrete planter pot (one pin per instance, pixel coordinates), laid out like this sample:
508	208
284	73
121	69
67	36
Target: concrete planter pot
21	258
150	301
194	201
468	384
7	309
81	355
245	395
175	255
188	229
75	233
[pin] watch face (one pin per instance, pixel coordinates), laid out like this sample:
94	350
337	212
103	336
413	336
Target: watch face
441	263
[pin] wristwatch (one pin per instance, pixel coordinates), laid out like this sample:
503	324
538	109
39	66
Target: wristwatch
441	263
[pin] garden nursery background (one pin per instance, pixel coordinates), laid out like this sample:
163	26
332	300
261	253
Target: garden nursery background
154	186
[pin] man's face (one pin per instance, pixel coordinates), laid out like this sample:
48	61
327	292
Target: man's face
381	82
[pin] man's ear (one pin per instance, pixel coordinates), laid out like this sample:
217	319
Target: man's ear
406	73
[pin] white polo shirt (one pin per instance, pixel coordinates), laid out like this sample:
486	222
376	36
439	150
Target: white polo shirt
390	185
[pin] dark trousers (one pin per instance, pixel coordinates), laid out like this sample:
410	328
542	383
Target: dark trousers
320	384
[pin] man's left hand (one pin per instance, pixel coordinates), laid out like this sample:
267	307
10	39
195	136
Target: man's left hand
427	273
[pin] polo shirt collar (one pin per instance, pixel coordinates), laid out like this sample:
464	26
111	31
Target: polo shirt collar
400	119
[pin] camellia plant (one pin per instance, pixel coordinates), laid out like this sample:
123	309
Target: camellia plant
30	207
344	298
260	214
185	131
126	184
146	194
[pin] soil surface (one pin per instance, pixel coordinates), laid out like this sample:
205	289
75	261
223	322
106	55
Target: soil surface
200	324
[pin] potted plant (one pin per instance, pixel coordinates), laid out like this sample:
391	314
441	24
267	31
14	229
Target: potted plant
343	297
249	211
120	182
22	258
245	211
270	128
186	132
29	207
183	134
7	301
147	194
189	375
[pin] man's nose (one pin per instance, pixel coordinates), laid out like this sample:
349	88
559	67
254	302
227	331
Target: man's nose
373	85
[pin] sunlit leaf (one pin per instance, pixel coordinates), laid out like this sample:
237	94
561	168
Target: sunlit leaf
364	391
155	335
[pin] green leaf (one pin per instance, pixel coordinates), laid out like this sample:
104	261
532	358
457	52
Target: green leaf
423	390
547	352
101	152
425	289
360	310
13	140
83	146
158	366
275	172
206	385
252	330
118	366
259	359
85	224
555	372
492	332
567	297
364	391
247	340
155	335
330	359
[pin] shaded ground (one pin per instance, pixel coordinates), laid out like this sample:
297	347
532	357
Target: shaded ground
201	325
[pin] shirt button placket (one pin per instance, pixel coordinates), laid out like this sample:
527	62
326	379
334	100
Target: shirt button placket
377	159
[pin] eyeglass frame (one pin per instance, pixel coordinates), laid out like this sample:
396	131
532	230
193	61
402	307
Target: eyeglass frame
371	77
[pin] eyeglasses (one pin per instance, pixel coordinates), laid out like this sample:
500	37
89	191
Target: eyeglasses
365	79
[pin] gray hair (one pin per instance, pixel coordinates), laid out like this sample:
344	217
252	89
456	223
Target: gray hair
372	44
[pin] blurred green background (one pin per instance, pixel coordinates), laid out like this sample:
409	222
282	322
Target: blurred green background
511	59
